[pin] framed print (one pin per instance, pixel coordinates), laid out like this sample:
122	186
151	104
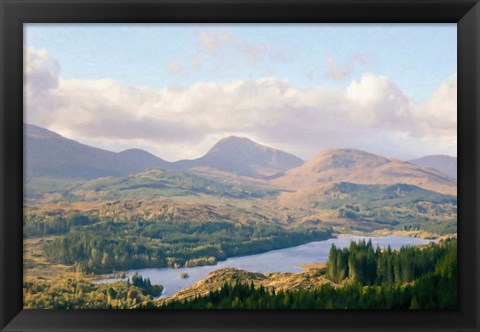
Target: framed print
218	165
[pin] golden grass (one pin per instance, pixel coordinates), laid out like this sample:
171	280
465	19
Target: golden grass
313	266
37	268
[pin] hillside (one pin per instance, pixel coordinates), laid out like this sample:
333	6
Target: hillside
369	207
148	184
445	164
361	167
153	195
335	194
307	280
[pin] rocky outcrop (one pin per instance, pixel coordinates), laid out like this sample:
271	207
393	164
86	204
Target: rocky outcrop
277	281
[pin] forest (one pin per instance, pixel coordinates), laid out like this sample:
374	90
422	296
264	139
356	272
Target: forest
368	266
105	247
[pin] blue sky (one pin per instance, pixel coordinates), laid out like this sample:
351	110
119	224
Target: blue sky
417	57
394	75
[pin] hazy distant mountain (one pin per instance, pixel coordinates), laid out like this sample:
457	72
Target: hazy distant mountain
143	159
364	168
244	157
445	164
50	154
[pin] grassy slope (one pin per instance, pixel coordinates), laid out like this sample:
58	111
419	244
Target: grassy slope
370	207
149	184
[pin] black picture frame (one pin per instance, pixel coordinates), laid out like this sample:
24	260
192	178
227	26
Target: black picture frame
14	13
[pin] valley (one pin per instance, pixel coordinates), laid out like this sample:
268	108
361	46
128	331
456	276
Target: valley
89	213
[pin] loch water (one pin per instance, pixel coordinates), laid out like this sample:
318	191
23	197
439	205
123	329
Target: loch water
282	260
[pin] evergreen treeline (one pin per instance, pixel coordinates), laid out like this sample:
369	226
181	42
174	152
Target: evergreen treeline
105	247
145	285
368	266
435	288
44	226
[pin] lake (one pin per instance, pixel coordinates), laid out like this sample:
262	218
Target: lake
282	260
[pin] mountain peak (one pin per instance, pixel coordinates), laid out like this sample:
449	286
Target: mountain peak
143	159
235	142
349	151
356	166
344	159
51	154
233	138
135	151
242	156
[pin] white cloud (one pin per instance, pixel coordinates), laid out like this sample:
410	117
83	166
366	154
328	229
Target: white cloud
437	110
372	113
41	72
380	102
437	118
41	69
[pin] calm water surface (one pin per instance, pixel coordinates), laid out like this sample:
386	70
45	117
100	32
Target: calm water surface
282	260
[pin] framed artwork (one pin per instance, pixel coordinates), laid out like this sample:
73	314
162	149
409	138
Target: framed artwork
218	165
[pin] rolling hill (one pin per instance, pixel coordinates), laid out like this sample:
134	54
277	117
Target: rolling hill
367	207
162	183
349	165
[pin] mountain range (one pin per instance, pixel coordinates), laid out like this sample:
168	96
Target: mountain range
445	164
350	165
52	155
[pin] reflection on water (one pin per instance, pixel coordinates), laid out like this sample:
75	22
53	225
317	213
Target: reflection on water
282	260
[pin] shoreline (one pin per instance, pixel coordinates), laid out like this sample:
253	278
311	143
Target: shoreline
386	232
113	277
303	266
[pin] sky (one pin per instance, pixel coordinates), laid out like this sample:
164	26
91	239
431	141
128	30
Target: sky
176	89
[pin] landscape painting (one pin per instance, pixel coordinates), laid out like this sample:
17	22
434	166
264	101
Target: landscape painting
239	166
